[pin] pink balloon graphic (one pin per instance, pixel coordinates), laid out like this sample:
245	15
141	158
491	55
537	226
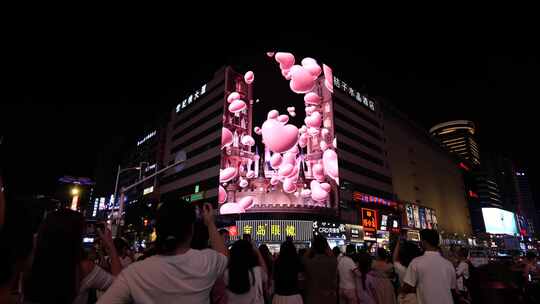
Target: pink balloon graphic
270	54
323	145
226	137
278	137
314	120
227	174
275	160
326	187
308	61
313	131
314	69
248	140
318	172
222	195
318	193
286	170
312	98
274	180
250	174
334	142
273	114
291	109
286	60
305	193
324	132
257	130
289	185
249	77
233	96
231	208
243	183
283	118
237	106
328	78
301	80
293	114
330	162
246	202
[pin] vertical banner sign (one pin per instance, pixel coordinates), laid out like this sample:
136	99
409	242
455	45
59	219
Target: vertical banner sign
369	219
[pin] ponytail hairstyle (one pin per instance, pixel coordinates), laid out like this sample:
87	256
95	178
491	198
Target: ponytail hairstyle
174	225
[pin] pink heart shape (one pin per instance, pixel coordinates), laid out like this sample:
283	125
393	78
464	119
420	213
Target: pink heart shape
311	65
278	137
330	162
308	61
328	78
248	140
227	174
293	114
257	130
275	160
226	137
326	187
301	80
317	193
286	60
291	109
314	120
243	183
273	114
222	195
249	77
237	106
233	96
250	174
312	98
289	186
285	170
231	208
283	118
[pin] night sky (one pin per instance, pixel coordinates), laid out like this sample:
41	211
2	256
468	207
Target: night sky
70	104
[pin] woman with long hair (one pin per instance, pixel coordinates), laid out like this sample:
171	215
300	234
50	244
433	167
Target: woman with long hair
244	276
320	267
269	261
61	271
286	270
372	286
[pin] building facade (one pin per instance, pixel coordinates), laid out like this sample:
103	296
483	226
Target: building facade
458	138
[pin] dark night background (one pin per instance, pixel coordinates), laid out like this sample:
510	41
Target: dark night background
71	104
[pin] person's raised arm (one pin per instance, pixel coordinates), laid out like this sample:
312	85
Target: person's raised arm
216	241
395	255
106	238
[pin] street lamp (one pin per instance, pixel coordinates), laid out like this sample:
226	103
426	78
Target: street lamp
139	168
74	202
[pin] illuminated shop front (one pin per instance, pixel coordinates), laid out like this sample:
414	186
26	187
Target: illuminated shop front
416	218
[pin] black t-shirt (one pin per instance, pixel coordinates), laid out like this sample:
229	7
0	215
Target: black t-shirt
286	278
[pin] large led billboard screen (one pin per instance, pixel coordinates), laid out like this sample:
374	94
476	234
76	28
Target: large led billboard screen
278	142
498	221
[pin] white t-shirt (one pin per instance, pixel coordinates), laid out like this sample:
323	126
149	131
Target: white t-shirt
433	276
181	278
97	279
345	272
462	273
255	295
400	271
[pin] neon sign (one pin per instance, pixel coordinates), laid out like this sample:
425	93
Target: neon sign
370	104
147	137
366	198
191	98
369	219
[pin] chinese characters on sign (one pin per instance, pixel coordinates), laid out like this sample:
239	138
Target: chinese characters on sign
366	198
191	98
369	219
370	104
276	230
329	230
147	137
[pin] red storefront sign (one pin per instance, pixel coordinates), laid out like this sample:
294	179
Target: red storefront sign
369	219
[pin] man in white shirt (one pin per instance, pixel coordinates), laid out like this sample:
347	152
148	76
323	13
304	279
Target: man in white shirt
177	274
432	275
346	265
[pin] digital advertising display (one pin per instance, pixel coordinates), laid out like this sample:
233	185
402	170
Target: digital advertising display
499	221
278	147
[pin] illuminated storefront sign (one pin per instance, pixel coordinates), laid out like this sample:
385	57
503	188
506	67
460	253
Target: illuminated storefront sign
147	137
329	230
355	233
420	217
413	235
151	167
275	230
191	98
369	219
370	104
148	190
366	198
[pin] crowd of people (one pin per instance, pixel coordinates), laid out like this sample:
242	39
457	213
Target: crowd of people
191	262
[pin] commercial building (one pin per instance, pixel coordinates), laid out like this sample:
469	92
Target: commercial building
424	174
458	138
